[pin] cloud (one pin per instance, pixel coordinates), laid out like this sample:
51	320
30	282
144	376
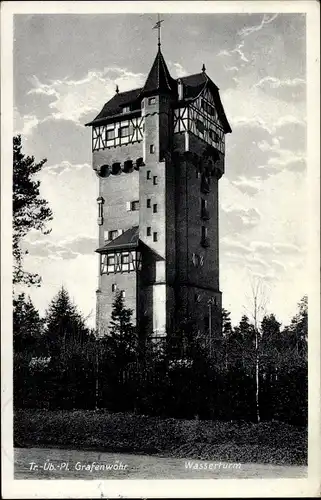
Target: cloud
66	167
238	50
266	260
251	29
248	186
24	124
73	99
69	248
287	89
234	246
224	53
231	68
177	69
270	81
282	248
282	158
238	219
56	140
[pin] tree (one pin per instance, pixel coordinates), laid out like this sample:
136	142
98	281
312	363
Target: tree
297	331
30	211
258	301
71	347
65	326
27	325
122	334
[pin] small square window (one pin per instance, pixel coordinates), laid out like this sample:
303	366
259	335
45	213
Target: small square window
125	258
110	260
134	206
126	109
123	131
152	100
149	231
149	174
112	234
148	204
152	149
155	208
113	287
110	134
155	180
155	236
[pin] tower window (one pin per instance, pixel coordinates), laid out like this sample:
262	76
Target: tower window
152	100
123	131
110	134
204	232
155	180
204	212
125	258
134	205
203	204
149	231
148	203
155	208
113	287
112	234
110	260
200	126
152	149
214	136
155	236
149	174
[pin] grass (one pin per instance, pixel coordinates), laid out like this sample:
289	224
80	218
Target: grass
269	442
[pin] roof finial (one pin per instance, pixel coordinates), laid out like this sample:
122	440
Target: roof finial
203	68
158	27
117	89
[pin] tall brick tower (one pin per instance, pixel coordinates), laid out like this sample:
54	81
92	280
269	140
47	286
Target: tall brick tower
158	152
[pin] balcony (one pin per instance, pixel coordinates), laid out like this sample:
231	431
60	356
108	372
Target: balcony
205	242
205	215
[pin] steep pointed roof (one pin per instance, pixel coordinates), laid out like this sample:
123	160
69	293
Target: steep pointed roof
159	78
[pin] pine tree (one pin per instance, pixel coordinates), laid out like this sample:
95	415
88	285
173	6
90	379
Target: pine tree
297	331
27	326
30	211
122	334
65	326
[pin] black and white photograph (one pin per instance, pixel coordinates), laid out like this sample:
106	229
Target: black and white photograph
161	249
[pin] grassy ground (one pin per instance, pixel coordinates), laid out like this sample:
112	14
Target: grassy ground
269	442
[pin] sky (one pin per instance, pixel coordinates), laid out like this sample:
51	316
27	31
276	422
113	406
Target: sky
67	66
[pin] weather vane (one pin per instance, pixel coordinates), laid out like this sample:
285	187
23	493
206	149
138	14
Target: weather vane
158	27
